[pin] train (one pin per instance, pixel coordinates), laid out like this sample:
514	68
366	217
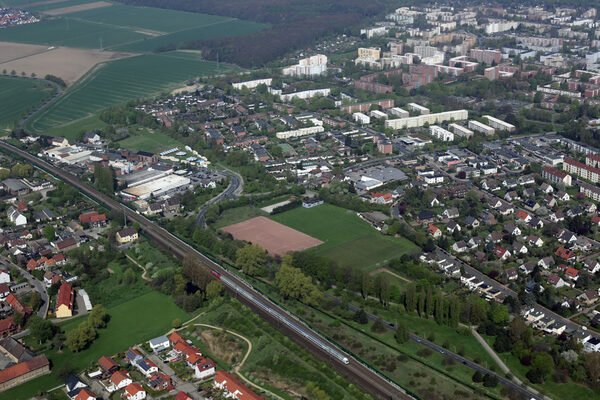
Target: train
296	327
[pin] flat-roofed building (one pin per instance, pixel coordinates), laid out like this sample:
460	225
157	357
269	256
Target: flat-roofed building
482	128
499	124
461	131
418	121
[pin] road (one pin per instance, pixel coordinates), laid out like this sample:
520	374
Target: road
235	188
360	374
37	285
525	392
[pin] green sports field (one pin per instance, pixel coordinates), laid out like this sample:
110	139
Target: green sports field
124	28
18	96
348	239
150	141
118	81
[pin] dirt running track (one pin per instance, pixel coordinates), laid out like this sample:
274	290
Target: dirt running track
277	239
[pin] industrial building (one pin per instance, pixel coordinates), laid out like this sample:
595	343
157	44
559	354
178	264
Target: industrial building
418	121
156	188
482	128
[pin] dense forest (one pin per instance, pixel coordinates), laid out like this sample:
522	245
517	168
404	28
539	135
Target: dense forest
293	24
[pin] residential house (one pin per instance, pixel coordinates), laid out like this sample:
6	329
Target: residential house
591	266
511	274
534	240
73	386
452	227
506	209
527	268
519	248
159	344
233	388
127	235
64	301
555	281
16	217
472	222
523	216
494	237
86	394
134	391
592	345
490	185
160	381
511	229
512	196
426	217
557	216
531	205
546	188
563	196
460	246
589	297
572	273
204	368
451	213
434	231
108	365
120	380
502	253
565	254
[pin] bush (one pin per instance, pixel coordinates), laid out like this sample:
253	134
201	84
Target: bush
378	327
176	323
490	380
477	377
424	352
535	376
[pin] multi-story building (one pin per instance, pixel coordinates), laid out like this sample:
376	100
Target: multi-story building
556	176
479	127
300	132
582	170
418	121
419	75
369	52
252	84
591	191
461	131
418	108
311	66
499	124
366	106
441	133
486	56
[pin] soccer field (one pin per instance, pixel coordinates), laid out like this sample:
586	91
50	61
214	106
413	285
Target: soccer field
348	240
19	96
116	82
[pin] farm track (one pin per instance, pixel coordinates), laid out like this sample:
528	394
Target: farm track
369	380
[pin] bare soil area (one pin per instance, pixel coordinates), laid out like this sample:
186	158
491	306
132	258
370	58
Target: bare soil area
223	347
77	8
11	51
67	63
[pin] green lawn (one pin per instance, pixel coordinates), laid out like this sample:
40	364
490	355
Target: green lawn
239	214
118	81
71	131
401	283
347	239
124	28
18	96
137	320
150	141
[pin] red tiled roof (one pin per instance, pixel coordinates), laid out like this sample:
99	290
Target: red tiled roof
86	217
31	265
182	396
16	304
133	388
7	324
85	394
564	253
65	295
175	338
553	171
23	368
233	385
107	363
572	272
118	377
522	215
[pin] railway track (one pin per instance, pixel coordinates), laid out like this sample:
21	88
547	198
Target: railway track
358	373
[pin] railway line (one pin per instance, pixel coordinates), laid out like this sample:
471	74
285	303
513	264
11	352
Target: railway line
360	374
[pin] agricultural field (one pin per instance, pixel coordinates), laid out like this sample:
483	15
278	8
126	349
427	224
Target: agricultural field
18	96
132	322
116	82
150	141
107	26
347	239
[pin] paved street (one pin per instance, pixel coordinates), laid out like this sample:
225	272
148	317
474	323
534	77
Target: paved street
187	387
36	284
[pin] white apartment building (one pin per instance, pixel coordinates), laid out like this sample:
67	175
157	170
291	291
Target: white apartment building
441	133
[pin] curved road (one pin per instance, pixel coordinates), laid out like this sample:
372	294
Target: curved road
235	188
358	373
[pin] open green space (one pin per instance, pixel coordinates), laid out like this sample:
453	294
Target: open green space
394	280
124	28
41	6
238	214
72	130
137	320
18	96
347	239
116	82
151	141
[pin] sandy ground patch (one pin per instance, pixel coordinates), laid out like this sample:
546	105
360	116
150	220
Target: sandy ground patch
66	63
186	88
11	51
275	238
77	8
40	3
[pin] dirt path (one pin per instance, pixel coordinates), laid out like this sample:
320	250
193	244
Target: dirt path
144	277
387	271
238	366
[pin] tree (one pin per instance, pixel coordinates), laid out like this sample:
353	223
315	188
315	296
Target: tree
36	300
104	179
544	363
500	314
490	380
361	317
49	233
214	289
176	323
251	259
410	300
516	329
292	283
98	316
477	377
42	330
378	326
401	334
18	319
592	366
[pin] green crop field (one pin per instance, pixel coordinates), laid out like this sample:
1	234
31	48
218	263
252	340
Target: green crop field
19	95
153	142
124	28
118	81
348	239
137	320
